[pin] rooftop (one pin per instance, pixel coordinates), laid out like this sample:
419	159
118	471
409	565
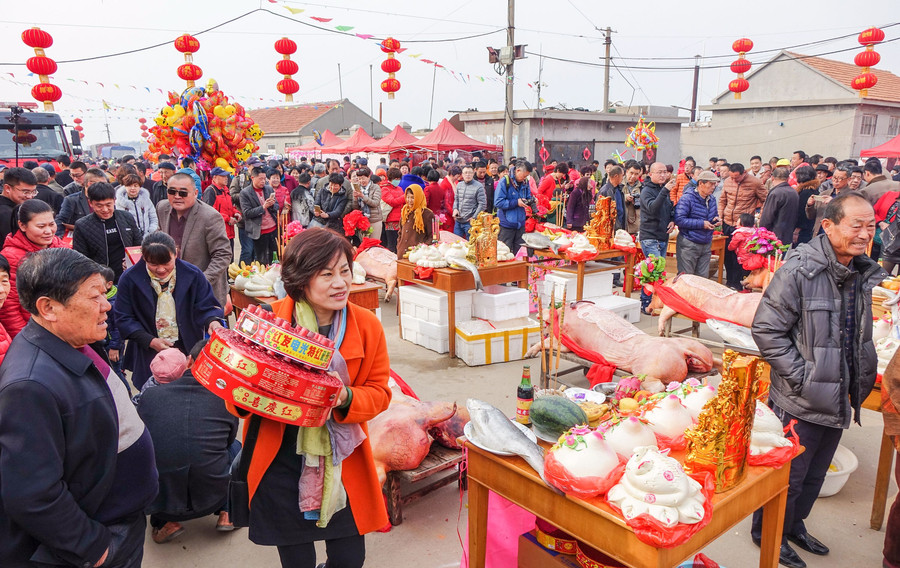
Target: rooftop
887	88
289	119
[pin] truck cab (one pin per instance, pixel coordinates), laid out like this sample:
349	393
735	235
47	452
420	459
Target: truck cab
28	135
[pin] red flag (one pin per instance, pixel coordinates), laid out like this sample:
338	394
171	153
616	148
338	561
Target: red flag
318	19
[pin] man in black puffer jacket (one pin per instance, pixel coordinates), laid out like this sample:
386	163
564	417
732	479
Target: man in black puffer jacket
814	327
104	235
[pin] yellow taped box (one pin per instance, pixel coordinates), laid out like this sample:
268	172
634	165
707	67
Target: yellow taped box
483	342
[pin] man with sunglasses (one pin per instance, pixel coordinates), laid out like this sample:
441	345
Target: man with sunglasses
198	230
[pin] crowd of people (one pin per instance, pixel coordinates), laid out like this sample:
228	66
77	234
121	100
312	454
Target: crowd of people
115	276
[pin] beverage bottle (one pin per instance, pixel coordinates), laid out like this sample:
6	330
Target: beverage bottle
524	397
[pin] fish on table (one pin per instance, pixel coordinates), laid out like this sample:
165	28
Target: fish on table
540	242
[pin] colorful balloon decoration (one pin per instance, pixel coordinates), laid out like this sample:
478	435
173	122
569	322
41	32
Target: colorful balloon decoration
42	66
188	45
287	86
390	66
740	66
866	59
642	137
203	124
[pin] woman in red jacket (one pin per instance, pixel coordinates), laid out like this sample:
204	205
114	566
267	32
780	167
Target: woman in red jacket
317	272
392	195
37	231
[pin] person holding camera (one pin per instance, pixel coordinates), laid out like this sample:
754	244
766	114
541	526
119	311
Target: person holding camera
512	196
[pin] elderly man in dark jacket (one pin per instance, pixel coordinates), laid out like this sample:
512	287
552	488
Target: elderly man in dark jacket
813	326
76	462
192	434
696	216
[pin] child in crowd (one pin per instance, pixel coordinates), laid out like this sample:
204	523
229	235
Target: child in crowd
740	237
113	343
168	365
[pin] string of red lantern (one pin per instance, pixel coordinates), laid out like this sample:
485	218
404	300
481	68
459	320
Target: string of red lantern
866	59
42	66
188	45
287	86
143	123
390	66
740	66
78	128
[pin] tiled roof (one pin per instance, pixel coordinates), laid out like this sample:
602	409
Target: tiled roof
289	119
887	88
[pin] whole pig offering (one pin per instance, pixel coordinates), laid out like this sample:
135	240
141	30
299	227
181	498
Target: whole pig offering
582	464
718	301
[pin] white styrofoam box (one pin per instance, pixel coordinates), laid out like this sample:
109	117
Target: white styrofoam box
596	284
480	342
429	335
378	313
500	303
628	308
430	305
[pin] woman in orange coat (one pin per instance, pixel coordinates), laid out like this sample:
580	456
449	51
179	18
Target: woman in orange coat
317	271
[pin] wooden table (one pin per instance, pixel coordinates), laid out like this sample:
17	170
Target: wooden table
883	471
628	265
363	295
594	522
718	248
451	280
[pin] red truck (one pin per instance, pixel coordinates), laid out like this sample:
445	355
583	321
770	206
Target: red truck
29	135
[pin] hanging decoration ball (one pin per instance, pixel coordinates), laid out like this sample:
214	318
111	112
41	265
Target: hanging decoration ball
390	45
189	72
864	81
740	66
390	86
738	86
46	92
288	86
286	67
187	44
871	36
868	58
41	65
37	38
286	46
142	120
390	65
145	134
144	127
742	45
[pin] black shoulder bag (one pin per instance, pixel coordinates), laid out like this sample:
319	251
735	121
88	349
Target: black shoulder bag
238	490
890	237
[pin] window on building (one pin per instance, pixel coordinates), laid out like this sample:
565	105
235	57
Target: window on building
894	126
271	147
868	124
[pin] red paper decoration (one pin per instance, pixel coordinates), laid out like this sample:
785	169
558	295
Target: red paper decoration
42	66
866	59
390	66
190	73
287	86
740	66
188	45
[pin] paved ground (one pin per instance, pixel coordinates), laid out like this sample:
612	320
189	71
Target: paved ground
428	536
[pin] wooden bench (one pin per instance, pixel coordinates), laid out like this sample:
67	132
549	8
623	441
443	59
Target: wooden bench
439	459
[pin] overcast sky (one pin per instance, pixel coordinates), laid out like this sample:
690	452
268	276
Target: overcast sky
241	57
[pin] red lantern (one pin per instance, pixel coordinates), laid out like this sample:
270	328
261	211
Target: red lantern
390	45
742	45
288	86
187	44
41	65
77	121
144	134
738	86
46	92
867	59
864	82
142	120
79	128
189	72
871	36
286	67
286	46
37	38
390	65
143	127
390	86
740	66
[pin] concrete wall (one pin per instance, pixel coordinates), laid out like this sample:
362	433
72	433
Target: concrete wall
881	135
280	141
784	80
738	134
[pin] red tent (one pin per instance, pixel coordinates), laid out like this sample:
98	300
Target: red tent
890	149
328	139
445	138
397	139
356	143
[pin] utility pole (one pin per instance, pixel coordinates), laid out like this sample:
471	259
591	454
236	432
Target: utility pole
341	93
371	93
696	84
106	121
511	45
608	43
540	72
433	83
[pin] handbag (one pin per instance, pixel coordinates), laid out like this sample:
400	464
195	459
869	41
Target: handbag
890	237
385	209
238	490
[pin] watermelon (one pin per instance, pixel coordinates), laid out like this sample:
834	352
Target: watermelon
554	415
